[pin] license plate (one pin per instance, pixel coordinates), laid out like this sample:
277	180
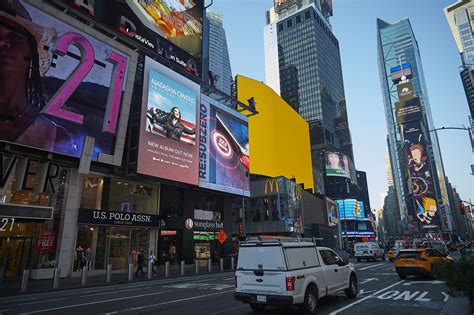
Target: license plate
261	298
407	264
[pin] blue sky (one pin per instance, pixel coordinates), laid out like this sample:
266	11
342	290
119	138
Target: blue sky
354	24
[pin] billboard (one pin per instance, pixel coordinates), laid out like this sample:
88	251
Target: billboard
59	84
337	164
420	173
171	28
408	110
167	145
405	91
351	209
223	148
398	72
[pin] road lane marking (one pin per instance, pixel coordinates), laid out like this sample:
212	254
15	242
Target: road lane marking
446	297
366	298
169	302
371	266
90	303
368	280
229	309
425	282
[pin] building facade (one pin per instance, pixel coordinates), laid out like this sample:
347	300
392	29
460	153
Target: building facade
219	61
460	16
403	85
303	65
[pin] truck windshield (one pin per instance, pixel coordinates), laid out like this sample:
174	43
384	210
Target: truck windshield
261	257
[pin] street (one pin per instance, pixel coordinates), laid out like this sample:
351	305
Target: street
381	292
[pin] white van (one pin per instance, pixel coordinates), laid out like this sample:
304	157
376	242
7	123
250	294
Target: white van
290	272
368	251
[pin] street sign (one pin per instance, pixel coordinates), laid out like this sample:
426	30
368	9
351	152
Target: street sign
221	236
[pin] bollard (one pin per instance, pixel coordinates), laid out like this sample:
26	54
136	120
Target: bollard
108	276
57	275
231	263
84	276
222	264
149	271
182	267
167	269
197	266
209	265
24	281
130	272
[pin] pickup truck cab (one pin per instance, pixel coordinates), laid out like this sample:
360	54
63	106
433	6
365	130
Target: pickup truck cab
291	272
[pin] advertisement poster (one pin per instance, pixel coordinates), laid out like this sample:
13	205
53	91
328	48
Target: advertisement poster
168	146
58	84
224	159
46	242
337	164
420	174
351	209
332	208
171	28
405	91
408	110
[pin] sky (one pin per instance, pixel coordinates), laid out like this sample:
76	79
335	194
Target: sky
354	25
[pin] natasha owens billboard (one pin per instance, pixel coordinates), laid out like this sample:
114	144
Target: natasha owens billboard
171	28
59	84
168	129
223	148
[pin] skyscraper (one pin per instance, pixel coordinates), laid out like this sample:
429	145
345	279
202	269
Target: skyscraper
219	62
303	65
460	16
415	157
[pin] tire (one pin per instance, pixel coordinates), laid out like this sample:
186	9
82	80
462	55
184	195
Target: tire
402	276
352	291
257	307
374	258
311	299
358	259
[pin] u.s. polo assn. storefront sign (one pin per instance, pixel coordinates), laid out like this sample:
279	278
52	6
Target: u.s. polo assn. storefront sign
117	218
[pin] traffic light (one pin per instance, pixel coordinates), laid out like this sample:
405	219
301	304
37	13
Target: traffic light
462	208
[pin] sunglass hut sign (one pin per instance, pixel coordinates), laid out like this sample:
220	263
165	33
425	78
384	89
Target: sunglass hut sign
99	217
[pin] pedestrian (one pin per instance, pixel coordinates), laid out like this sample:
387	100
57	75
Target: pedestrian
152	260
140	261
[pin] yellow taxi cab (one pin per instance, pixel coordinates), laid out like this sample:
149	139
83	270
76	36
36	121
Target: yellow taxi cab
392	254
417	261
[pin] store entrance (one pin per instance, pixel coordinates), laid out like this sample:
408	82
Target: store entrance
14	256
119	252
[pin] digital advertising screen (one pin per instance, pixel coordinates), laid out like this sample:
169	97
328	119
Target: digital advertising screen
168	142
405	91
224	158
337	164
408	110
420	174
351	209
59	84
171	28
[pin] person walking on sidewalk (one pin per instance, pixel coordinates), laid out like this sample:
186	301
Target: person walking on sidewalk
152	260
140	261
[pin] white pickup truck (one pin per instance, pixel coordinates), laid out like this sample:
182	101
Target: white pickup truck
290	272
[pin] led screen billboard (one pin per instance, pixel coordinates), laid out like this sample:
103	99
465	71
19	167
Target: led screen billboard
223	148
167	146
408	110
171	28
351	209
405	91
59	84
337	164
420	174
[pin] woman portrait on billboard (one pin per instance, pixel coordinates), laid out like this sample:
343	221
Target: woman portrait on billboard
173	126
23	61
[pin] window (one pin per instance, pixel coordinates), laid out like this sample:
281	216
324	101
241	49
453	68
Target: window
329	257
289	23
307	15
298	19
280	27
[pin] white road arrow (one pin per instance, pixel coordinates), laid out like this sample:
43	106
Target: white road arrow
424	282
368	280
446	297
362	291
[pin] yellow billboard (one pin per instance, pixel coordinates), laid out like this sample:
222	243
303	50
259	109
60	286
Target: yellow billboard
278	136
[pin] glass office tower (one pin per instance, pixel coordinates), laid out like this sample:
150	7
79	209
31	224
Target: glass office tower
397	50
303	65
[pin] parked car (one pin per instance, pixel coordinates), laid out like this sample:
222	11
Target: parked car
291	272
368	251
418	261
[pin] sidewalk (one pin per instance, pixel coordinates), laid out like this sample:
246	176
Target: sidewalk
11	288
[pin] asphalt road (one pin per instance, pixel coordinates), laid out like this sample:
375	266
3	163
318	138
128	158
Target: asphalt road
381	292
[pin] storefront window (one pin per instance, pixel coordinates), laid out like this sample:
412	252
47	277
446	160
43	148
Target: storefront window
31	200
